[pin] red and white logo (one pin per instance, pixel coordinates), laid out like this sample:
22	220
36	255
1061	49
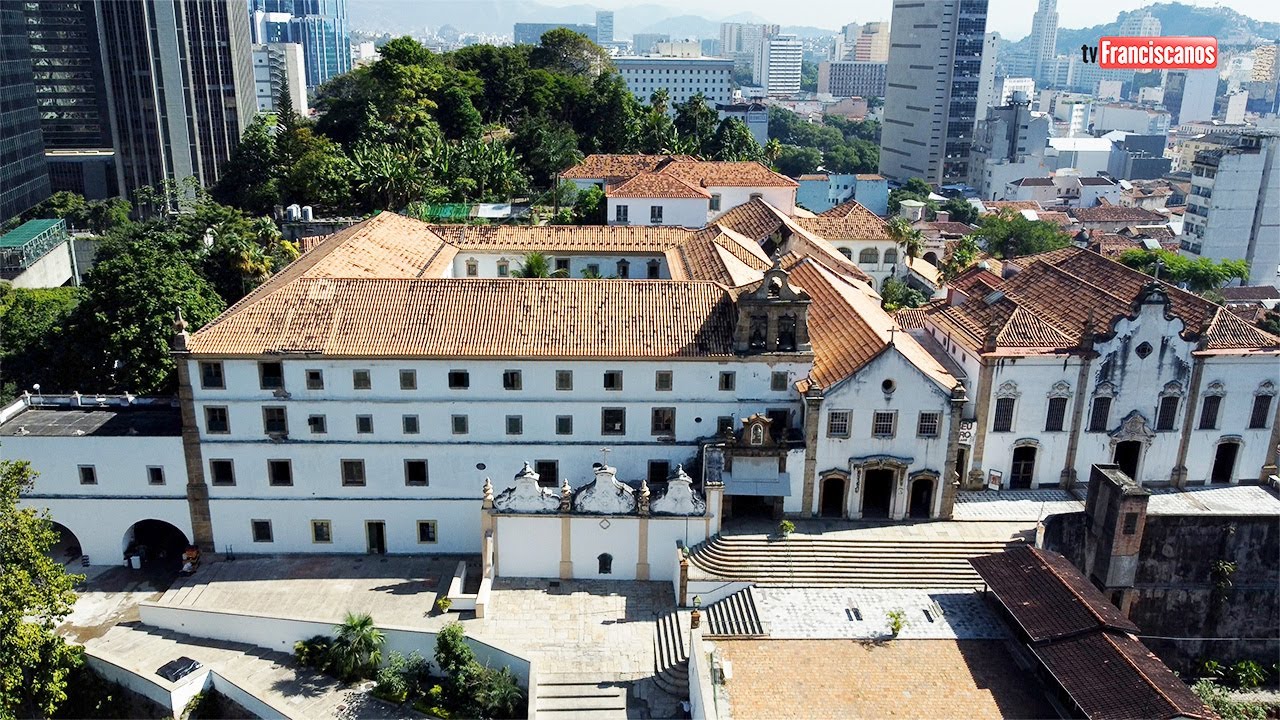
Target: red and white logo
1154	53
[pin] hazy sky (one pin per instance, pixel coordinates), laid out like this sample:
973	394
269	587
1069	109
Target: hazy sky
1010	18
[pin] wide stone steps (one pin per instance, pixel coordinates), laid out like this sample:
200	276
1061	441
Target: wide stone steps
671	655
574	695
819	562
734	616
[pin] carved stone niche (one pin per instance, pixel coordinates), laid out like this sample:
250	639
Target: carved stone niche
773	317
756	431
526	496
1133	427
680	498
605	495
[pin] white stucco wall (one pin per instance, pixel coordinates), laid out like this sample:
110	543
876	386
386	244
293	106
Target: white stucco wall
531	545
782	198
684	212
486	264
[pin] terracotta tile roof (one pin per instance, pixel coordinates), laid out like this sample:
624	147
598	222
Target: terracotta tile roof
815	176
718	255
1113	244
1056	217
846	209
949	227
847	221
478	318
657	185
386	245
754	219
1250	292
913	318
810	244
562	238
975	280
869	176
1227	331
997	205
616	167
1115	677
717	173
1117	213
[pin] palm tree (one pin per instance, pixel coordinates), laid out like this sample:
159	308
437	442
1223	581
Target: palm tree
537	265
357	651
910	238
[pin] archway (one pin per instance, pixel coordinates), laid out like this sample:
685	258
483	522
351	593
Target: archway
66	549
832	504
1224	462
921	498
877	493
157	544
931	258
1127	455
1024	467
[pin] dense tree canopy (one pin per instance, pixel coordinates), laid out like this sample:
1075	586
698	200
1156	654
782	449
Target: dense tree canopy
845	146
1009	234
1200	275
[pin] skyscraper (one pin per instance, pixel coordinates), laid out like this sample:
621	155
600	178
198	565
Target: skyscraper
604	27
778	65
1044	37
24	179
873	43
321	28
935	58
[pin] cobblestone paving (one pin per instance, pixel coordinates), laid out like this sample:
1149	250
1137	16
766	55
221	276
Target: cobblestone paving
1011	505
829	613
840	679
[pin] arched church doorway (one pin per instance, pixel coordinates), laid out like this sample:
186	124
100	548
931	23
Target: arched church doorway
157	544
877	493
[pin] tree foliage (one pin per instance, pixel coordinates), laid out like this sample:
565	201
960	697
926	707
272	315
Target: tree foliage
33	345
963	254
1009	234
846	146
960	210
895	294
356	651
1199	275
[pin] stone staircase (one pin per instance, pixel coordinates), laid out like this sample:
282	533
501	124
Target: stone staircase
734	616
812	561
671	654
575	695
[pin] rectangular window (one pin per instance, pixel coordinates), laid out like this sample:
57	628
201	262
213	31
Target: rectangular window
620	213
1055	415
655	214
659	470
321	531
408	379
624	269
778	381
563	264
353	473
564	379
515	425
360	380
504	268
883	423
1166	413
564	424
261	531
88	475
222	472
216	420
613	380
279	473
315	379
838	423
511	380
1130	523
1261	410
613	421
364	424
415	473
653	270
270	375
275	421
1100	415
211	377
548	472
155	475
460	425
715	201
663	421
724	425
459	379
927	424
1209	412
728	380
410	424
318	424
1004	415
426	532
593	270
662	380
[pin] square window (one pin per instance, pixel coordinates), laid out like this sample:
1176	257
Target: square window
222	472
593	270
778	381
364	424
315	379
663	421
655	214
548	472
563	264
216	420
270	375
724	425
275	421
415	473
838	423
564	424
659	470
353	473
459	379
511	380
728	380
410	424
883	422
261	531
613	380
317	424
461	425
360	380
426	532
564	379
211	377
613	421
279	473
408	379
662	380
321	531
155	475
88	475
1130	523
927	424
515	425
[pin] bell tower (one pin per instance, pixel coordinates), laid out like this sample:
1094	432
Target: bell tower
773	318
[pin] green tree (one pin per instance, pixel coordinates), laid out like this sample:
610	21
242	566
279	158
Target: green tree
35	595
960	210
569	53
733	141
696	123
589	207
537	265
796	161
321	177
854	156
1008	234
547	148
656	132
909	238
1201	275
458	118
248	179
614	111
963	254
895	294
808	76
33	343
388	175
502	70
65	205
102	216
357	649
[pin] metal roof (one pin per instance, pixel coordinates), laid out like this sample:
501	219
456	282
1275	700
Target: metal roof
28	231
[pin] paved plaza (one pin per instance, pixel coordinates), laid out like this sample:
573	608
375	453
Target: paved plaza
862	614
1035	505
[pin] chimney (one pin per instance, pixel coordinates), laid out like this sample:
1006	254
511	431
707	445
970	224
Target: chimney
942	216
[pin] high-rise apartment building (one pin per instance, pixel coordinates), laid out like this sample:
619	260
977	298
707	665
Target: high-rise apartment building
278	70
681	77
24	178
1195	92
851	79
778	63
845	42
987	90
604	27
873	43
935	58
1009	144
1044	37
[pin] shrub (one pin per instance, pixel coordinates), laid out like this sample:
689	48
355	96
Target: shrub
897	620
1209	669
1248	674
443	603
313	652
786	527
357	650
1220	701
393	684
